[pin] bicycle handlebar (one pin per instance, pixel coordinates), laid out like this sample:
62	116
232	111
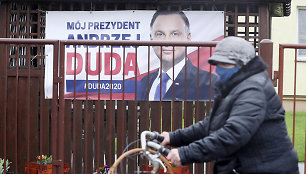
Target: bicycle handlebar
158	137
153	136
161	149
149	146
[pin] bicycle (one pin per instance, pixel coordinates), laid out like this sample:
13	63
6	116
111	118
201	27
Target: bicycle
151	150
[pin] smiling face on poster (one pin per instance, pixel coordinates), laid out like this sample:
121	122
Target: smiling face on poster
177	29
112	69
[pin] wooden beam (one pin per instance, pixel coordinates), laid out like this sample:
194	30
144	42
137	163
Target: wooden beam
3	24
264	22
160	1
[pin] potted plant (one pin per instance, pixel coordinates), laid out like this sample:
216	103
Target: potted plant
46	163
44	159
7	164
179	170
176	169
102	170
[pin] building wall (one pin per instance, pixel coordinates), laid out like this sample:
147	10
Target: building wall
285	30
300	104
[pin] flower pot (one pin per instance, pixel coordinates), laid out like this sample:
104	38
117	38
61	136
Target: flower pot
180	170
176	170
34	168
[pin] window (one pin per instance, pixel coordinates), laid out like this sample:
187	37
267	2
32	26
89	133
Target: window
302	33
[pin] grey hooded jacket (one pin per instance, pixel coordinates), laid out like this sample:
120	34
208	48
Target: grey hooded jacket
246	130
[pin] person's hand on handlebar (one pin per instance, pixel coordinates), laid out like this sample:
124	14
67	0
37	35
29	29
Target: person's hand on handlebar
166	140
174	157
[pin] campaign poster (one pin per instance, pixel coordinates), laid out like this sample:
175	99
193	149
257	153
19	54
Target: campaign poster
122	72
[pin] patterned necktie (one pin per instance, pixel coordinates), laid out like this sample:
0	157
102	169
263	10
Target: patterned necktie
164	81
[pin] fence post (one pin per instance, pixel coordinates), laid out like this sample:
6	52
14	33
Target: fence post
3	78
266	52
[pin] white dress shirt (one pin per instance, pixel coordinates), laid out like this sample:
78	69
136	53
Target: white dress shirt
177	68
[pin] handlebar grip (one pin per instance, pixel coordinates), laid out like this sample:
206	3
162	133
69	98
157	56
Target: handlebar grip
158	137
164	151
161	149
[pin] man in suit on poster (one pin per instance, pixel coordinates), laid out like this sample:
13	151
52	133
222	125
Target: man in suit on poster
173	26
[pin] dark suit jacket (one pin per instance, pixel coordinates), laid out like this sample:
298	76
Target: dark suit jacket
179	85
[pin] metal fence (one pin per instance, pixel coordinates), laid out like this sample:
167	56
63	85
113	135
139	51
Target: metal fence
84	134
290	73
24	114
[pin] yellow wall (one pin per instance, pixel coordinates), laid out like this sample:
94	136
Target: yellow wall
284	30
